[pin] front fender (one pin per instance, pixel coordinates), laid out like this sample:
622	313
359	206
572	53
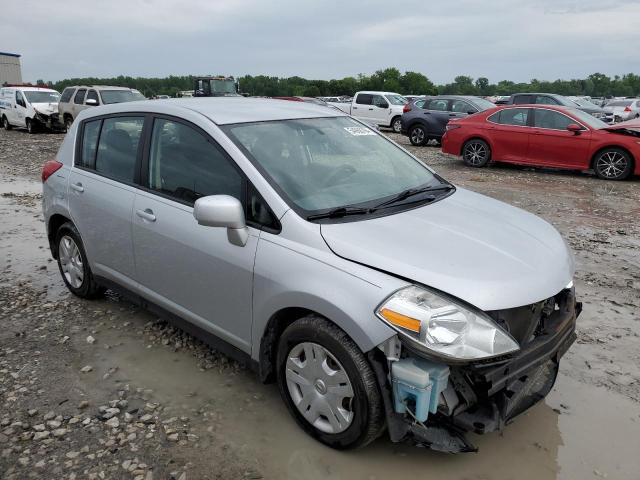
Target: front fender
285	279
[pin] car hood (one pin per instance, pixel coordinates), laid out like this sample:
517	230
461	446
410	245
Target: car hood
475	248
45	108
633	124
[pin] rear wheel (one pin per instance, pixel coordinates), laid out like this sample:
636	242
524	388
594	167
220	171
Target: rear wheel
328	385
418	135
613	164
476	153
396	124
73	264
5	123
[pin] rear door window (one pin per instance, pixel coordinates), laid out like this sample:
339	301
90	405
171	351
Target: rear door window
512	116
79	98
118	147
364	99
521	99
438	104
460	106
545	100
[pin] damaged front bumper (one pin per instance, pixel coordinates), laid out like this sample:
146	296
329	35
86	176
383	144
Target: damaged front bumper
483	397
52	121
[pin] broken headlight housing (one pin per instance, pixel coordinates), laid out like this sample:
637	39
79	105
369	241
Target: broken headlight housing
441	326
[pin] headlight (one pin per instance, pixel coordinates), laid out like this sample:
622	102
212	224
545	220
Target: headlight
444	327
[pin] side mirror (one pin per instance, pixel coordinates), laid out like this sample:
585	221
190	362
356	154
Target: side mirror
92	102
382	105
471	112
223	211
574	127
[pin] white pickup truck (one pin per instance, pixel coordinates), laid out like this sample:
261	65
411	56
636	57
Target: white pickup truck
379	108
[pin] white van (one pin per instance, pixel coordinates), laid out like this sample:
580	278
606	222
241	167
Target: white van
29	107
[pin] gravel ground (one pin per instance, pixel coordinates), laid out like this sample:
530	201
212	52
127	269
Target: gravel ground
104	390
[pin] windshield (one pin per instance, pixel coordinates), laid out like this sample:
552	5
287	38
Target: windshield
120	96
396	99
583	103
483	104
223	86
587	118
41	97
326	163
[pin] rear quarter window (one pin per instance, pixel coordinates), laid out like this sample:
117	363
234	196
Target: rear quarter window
66	95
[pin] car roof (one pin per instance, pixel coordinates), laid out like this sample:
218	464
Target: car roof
378	92
101	87
226	110
560	108
31	89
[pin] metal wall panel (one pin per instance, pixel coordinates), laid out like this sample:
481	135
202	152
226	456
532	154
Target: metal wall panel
10	70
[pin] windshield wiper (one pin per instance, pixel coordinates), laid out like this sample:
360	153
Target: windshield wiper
410	192
339	212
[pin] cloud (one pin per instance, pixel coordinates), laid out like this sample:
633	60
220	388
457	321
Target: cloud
501	39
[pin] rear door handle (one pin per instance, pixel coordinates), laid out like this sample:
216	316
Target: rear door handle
146	214
77	187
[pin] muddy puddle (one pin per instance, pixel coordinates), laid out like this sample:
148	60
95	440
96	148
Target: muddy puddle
579	432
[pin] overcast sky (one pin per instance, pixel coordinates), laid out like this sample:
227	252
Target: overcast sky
498	39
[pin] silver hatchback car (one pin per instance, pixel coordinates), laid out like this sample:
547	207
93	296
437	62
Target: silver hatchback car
303	242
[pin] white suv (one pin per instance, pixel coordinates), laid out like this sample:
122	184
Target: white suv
75	99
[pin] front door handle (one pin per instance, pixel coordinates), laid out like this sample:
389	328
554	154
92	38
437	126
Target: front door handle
77	187
146	214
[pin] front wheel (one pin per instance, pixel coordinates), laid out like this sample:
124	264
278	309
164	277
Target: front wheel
31	127
328	385
613	164
396	125
5	123
476	153
67	123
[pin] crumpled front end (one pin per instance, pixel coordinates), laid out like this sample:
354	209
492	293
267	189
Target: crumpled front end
48	118
481	396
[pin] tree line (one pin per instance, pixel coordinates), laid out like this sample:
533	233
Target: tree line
388	79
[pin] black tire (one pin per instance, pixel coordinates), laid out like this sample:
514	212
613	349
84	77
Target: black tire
5	123
396	124
31	127
613	164
368	411
418	135
476	153
68	121
88	288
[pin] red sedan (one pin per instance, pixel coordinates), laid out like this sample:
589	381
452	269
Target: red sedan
546	136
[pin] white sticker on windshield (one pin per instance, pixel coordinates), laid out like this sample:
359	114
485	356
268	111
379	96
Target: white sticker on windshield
356	131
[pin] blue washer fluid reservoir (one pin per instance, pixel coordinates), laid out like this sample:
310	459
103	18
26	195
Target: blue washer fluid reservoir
418	382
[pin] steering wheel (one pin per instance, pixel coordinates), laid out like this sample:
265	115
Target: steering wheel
346	170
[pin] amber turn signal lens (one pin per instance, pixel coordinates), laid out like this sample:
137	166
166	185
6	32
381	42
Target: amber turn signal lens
400	320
